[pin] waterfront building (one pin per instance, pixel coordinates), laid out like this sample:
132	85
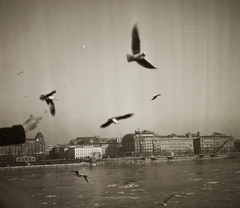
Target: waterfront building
146	143
216	143
110	147
81	152
58	151
174	144
33	147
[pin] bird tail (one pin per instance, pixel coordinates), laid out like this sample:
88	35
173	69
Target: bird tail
129	58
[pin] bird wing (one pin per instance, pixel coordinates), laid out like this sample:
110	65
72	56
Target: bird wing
166	200
143	62
124	116
106	124
154	97
85	177
51	106
20	72
135	40
51	93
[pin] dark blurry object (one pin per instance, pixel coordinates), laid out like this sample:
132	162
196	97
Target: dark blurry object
17	133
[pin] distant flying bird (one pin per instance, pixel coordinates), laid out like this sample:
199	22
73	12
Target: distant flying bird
80	175
155	96
138	56
166	200
20	72
49	100
116	119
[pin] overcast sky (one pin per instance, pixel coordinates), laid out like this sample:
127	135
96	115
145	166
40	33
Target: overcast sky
79	48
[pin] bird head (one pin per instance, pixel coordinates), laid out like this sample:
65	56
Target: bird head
42	97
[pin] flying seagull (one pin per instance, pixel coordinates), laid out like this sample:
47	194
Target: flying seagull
49	100
138	56
155	96
115	120
166	200
80	175
20	72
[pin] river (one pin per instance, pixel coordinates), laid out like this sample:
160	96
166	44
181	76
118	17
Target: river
198	183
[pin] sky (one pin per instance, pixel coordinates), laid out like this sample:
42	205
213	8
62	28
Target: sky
78	48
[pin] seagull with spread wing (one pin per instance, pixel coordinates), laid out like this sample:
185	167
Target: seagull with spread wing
116	120
80	175
138	56
155	96
49	100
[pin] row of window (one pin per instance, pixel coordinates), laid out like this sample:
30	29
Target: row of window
156	143
25	159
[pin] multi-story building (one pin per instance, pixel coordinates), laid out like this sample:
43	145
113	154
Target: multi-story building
110	147
59	151
213	144
81	152
147	143
34	147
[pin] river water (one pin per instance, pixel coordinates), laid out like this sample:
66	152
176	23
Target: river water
202	183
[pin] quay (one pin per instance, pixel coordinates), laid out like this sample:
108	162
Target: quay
122	160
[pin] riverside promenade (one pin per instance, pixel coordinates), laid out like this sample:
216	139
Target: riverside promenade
122	160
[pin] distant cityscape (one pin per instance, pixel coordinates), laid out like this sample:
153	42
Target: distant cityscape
138	144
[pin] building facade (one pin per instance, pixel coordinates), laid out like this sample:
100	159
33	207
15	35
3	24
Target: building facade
33	147
147	143
82	152
214	144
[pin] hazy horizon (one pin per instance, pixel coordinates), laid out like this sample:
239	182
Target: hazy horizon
78	48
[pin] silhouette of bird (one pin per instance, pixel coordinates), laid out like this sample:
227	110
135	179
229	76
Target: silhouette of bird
138	56
115	120
155	96
20	72
166	200
80	175
49	100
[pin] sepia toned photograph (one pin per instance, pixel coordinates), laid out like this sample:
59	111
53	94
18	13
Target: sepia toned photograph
120	103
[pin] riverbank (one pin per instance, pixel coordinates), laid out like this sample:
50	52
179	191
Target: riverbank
125	160
133	160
